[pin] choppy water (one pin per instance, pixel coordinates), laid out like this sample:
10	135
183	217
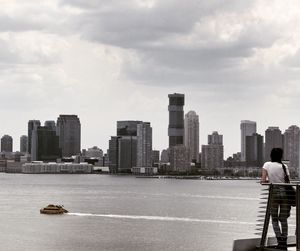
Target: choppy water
125	213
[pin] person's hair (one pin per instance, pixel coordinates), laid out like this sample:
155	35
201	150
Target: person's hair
276	155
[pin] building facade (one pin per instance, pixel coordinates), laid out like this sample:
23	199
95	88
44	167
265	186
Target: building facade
69	131
176	120
6	143
144	145
180	159
273	139
212	155
247	129
191	135
254	150
23	143
32	124
291	147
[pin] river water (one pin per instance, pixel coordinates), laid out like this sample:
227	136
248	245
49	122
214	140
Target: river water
125	213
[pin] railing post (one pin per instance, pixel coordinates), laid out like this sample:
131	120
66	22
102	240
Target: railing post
267	219
297	217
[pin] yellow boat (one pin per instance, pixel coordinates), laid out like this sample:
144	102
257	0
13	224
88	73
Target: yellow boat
53	209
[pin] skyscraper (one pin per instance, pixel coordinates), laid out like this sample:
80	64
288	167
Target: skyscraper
6	143
291	147
191	135
45	144
273	139
31	125
113	154
68	129
247	129
212	155
144	145
254	150
23	144
176	121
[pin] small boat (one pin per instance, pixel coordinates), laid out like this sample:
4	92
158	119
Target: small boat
53	209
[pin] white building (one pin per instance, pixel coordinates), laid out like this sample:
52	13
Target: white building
191	134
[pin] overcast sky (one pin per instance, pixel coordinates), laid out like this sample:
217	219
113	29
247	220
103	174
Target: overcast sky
111	60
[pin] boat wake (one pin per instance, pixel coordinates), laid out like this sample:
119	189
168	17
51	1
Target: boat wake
160	218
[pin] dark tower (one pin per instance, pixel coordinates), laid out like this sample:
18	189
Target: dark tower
176	120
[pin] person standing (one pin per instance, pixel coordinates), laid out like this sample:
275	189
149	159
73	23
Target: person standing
273	172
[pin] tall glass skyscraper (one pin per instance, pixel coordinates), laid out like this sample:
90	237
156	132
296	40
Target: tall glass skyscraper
68	128
247	129
176	120
32	124
191	135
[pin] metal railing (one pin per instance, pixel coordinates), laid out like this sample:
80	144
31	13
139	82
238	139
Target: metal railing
265	206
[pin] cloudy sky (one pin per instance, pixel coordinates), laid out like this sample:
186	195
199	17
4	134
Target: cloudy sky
109	60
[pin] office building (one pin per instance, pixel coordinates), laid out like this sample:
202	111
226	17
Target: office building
254	150
212	155
45	145
176	120
273	139
164	158
127	153
180	159
127	127
247	129
144	145
23	144
32	124
68	128
6	144
50	124
191	135
291	147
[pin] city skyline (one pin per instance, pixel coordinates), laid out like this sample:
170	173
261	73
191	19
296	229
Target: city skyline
233	61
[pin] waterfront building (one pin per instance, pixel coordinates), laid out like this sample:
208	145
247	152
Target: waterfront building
68	128
6	143
32	124
45	144
180	159
23	143
52	167
176	120
191	135
291	147
144	145
247	129
127	157
113	154
273	139
254	150
155	157
212	155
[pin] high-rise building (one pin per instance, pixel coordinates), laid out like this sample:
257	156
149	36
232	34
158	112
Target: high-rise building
127	127
273	139
68	128
191	135
6	144
144	145
180	159
254	150
32	124
127	149
45	144
23	143
247	129
94	152
176	121
291	147
212	155
113	154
